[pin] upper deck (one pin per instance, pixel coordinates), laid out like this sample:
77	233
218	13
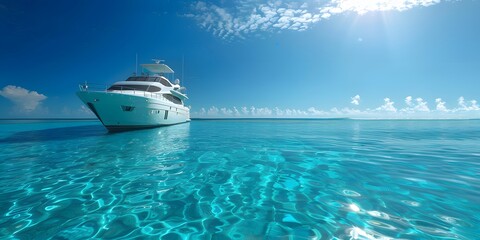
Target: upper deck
152	83
160	79
157	68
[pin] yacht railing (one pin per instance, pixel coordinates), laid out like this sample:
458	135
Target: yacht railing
86	87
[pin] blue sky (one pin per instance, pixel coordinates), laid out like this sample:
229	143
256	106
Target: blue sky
331	58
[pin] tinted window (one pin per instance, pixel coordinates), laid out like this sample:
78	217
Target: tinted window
165	82
142	79
162	80
154	89
135	87
172	98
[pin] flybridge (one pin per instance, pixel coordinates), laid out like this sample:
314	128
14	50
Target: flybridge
157	70
157	67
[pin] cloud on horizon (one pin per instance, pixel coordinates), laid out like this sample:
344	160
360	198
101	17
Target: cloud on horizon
229	20
413	109
355	100
26	100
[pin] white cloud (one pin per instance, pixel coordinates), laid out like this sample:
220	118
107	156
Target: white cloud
421	105
408	101
244	111
237	19
415	109
236	112
387	106
364	6
461	102
355	100
213	111
202	112
474	105
464	105
226	112
314	112
243	19
441	105
23	98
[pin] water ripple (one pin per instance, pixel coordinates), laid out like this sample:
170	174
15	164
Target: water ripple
242	180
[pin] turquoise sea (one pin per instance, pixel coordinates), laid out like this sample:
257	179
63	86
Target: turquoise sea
241	179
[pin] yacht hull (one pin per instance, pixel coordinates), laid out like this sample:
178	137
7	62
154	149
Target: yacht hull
121	112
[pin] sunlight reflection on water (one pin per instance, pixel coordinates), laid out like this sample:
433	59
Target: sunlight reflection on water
242	180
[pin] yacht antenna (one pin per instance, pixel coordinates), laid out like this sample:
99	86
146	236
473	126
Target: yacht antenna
136	64
183	69
157	61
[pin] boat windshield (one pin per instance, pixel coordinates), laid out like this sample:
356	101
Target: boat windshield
161	80
142	79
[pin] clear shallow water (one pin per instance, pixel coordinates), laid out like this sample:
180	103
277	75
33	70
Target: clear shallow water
252	179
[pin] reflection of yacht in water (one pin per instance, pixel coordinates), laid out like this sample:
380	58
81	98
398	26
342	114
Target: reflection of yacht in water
145	101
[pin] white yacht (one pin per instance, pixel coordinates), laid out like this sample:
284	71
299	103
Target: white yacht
141	101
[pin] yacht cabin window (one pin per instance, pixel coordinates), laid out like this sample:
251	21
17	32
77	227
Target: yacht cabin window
161	80
142	79
145	88
165	83
172	98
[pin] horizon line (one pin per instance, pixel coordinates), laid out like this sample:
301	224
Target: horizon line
252	118
47	118
342	118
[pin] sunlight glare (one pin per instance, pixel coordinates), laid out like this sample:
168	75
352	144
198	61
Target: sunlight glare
363	6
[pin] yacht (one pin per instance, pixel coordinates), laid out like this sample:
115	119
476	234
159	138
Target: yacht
141	101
